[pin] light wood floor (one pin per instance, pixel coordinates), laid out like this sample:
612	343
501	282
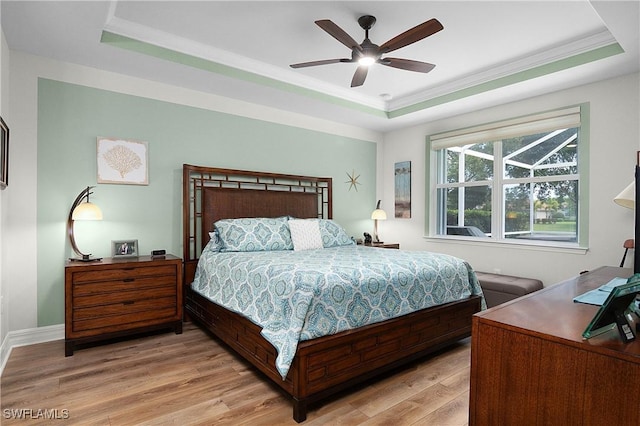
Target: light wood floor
191	379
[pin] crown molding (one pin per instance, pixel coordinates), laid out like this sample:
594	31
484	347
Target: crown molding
547	61
545	57
182	45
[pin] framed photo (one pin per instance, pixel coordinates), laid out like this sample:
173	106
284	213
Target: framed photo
124	248
4	154
122	161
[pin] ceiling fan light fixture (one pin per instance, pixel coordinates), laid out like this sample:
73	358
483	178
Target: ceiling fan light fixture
367	60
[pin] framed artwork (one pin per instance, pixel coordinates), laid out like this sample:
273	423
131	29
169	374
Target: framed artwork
122	161
124	248
402	183
4	154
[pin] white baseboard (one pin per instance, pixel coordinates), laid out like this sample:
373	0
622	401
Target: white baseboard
30	336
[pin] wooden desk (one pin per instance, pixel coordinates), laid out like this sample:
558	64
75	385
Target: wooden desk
530	365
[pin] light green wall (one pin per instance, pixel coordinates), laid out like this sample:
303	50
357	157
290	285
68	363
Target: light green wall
71	117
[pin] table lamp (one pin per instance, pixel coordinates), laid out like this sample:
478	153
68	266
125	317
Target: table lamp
82	211
378	214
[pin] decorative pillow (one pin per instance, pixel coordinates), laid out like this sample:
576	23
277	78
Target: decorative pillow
305	234
254	234
333	234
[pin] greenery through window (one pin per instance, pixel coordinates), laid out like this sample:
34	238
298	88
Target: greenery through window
520	187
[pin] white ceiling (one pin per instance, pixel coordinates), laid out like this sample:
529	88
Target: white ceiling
484	43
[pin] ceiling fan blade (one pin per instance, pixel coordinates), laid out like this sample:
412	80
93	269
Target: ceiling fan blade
322	62
416	33
359	76
407	64
338	33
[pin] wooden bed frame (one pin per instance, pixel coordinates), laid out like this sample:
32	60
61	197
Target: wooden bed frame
321	366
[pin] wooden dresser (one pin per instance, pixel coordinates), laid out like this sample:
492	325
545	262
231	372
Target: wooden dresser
530	365
115	297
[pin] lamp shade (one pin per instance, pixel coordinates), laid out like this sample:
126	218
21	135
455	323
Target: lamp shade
87	211
627	197
379	214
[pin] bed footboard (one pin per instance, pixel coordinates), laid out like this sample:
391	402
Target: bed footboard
327	365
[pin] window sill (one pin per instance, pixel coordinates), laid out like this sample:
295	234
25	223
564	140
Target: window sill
518	245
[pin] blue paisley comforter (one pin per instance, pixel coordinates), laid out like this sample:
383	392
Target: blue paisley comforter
301	295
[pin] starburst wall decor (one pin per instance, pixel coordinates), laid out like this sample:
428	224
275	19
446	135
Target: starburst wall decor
353	180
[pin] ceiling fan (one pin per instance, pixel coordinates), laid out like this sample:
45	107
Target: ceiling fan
368	53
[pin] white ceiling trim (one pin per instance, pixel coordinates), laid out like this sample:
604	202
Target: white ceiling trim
568	50
172	42
175	43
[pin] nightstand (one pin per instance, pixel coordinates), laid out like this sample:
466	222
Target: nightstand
116	297
386	245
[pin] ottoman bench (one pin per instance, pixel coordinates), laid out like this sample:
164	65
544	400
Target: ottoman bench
498	288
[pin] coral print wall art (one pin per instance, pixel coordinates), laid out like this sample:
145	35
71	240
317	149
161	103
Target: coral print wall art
122	161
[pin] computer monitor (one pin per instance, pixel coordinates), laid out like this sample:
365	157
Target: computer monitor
614	311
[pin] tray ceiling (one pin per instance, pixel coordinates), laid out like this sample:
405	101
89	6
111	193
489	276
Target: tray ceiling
488	53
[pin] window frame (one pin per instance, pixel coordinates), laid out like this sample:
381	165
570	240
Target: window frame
477	134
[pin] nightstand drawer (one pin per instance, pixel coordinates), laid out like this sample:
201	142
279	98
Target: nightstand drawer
106	317
122	273
124	296
84	289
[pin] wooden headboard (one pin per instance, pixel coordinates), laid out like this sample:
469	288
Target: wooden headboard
210	194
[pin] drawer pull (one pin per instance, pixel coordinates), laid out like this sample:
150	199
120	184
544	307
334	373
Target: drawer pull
128	302
129	280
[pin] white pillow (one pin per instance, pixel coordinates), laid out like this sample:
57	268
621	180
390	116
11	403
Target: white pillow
305	234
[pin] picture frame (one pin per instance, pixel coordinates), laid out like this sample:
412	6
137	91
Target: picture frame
124	249
122	161
4	154
402	186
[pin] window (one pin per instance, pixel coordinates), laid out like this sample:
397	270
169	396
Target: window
518	180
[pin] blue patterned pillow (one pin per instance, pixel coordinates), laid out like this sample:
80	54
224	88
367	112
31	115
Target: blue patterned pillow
254	234
333	234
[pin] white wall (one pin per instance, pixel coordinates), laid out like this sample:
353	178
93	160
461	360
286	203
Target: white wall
19	237
4	108
615	138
